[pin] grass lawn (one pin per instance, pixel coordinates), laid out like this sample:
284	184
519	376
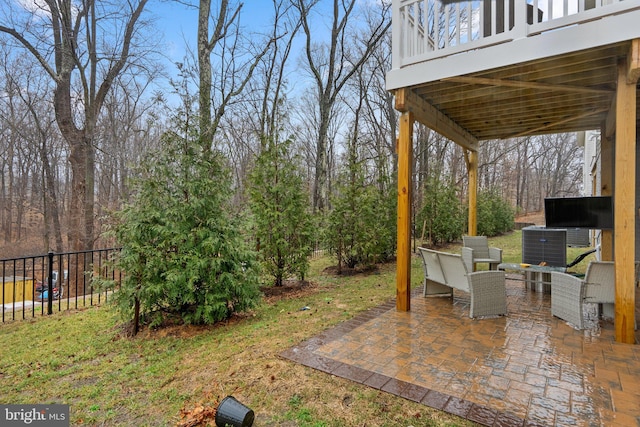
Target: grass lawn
177	374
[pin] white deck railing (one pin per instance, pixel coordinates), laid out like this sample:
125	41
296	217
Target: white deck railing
429	29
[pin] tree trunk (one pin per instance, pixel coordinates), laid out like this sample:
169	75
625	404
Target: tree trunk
330	73
320	191
77	61
204	64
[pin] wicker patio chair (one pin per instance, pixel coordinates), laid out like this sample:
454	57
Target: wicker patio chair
433	282
600	283
567	297
570	293
476	249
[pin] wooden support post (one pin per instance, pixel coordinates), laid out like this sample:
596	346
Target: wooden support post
606	189
403	271
624	206
472	166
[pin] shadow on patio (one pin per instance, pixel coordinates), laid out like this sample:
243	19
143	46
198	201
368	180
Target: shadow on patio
528	368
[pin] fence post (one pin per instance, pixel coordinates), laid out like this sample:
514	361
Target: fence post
50	285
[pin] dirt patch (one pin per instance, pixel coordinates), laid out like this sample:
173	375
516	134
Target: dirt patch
173	326
536	218
289	289
346	271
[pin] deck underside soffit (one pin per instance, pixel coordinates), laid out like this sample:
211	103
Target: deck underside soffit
567	93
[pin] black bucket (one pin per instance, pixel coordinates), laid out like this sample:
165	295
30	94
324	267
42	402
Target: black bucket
233	413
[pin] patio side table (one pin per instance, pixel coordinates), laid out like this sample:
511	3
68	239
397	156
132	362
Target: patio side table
536	277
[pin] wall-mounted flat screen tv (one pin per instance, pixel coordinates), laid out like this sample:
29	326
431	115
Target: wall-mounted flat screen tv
579	212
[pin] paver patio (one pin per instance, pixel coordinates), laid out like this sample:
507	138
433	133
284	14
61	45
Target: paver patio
528	368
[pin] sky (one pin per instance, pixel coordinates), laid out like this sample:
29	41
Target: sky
179	24
176	26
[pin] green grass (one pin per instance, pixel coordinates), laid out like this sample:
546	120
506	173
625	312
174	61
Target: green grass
83	359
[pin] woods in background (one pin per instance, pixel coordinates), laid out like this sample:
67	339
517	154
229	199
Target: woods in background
80	110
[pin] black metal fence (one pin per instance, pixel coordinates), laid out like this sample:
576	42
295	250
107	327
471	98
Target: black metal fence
42	284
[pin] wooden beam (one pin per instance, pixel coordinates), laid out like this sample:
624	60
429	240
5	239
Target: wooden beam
401	100
633	74
526	85
403	269
430	116
633	60
558	122
610	123
606	189
472	171
624	206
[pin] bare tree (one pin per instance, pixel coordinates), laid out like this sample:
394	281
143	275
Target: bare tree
37	134
235	66
331	65
260	115
561	159
522	168
92	44
129	126
380	115
10	142
272	84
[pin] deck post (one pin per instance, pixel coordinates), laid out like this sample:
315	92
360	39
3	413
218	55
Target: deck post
472	171
403	271
624	205
606	189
